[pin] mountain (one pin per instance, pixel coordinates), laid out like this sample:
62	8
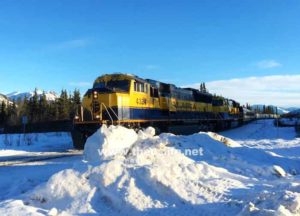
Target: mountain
50	95
4	98
280	110
295	112
290	109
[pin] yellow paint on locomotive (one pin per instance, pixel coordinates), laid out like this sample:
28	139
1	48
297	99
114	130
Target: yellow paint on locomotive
143	100
220	109
191	106
132	99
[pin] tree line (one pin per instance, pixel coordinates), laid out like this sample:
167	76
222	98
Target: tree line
266	110
38	109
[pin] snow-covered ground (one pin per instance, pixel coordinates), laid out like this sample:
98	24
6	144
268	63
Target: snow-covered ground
51	152
32	144
252	170
289	121
23	177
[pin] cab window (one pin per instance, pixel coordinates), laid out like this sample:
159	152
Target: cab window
153	92
140	87
113	85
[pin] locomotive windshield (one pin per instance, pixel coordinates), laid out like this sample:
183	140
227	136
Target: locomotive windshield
218	102
113	85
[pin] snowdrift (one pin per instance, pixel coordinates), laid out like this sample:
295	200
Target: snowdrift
129	173
288	121
35	141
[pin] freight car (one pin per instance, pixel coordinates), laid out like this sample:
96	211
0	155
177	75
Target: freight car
124	99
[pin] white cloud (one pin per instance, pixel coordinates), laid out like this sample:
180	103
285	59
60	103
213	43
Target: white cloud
266	64
70	44
281	90
80	84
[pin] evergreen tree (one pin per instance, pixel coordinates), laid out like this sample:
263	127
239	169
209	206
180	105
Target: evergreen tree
3	114
63	106
75	102
38	109
24	107
34	107
76	97
43	108
12	117
203	88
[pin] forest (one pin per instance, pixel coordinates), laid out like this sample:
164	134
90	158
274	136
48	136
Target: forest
38	109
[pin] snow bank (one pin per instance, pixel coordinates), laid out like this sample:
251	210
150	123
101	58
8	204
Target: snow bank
54	141
223	139
283	202
114	140
140	172
288	121
129	173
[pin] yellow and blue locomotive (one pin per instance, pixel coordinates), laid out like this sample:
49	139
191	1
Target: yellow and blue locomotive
134	102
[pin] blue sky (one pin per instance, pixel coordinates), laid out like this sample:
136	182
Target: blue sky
54	44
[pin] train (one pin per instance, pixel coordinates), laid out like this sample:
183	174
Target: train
128	100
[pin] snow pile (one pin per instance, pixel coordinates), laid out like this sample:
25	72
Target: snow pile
223	139
283	201
114	140
129	173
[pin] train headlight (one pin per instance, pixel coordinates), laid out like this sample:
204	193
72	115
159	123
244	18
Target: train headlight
97	117
76	117
95	94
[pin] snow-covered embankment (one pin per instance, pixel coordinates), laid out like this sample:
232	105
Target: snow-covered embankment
128	173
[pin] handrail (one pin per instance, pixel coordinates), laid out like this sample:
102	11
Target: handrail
114	113
112	121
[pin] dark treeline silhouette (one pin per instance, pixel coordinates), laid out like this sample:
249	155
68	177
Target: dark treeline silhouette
38	109
266	110
203	88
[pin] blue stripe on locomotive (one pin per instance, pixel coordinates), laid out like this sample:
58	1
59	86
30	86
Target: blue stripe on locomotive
126	113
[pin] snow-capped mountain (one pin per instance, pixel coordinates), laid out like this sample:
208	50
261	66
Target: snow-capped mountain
4	98
290	109
280	110
50	95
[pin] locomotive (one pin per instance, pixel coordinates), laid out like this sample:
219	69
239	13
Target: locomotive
124	99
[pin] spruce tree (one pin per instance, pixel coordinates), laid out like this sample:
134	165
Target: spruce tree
204	88
43	108
63	106
12	114
34	107
75	102
3	114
